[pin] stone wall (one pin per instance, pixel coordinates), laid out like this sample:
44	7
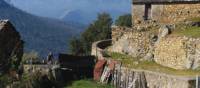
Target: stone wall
98	48
167	13
132	78
171	51
123	77
28	68
45	69
178	52
132	42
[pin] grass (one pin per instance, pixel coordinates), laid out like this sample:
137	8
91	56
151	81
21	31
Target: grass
189	31
87	84
186	30
135	63
194	19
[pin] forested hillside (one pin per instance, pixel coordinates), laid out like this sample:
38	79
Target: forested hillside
40	34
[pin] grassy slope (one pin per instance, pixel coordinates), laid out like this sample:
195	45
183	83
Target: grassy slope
192	31
87	84
188	30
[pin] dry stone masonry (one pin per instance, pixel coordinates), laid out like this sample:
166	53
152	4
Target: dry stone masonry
131	42
151	39
131	78
164	11
153	21
178	52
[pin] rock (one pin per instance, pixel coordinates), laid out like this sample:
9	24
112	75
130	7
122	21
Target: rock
11	45
141	29
196	65
164	31
189	64
153	38
136	63
138	22
195	24
149	57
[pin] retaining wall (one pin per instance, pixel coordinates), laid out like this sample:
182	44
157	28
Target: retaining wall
123	77
132	78
98	48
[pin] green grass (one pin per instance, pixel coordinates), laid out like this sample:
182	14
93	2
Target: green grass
190	32
187	30
194	19
88	84
135	63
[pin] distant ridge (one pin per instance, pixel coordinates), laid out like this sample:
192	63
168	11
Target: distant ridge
40	34
78	11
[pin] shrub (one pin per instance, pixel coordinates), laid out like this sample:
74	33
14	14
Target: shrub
124	20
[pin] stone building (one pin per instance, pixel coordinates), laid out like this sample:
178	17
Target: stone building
164	11
11	45
153	22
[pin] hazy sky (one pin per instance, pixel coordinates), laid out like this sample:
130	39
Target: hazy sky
59	8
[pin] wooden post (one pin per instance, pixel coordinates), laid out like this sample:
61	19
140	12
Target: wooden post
197	81
120	76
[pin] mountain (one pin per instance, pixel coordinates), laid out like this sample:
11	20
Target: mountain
71	10
79	16
86	17
39	33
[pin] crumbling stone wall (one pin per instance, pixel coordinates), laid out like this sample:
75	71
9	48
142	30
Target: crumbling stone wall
178	52
136	43
167	13
123	77
171	51
11	45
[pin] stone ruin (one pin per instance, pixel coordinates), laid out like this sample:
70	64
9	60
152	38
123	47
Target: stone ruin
164	11
11	45
151	39
153	21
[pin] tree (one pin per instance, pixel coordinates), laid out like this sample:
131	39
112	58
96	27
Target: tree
76	46
124	20
98	30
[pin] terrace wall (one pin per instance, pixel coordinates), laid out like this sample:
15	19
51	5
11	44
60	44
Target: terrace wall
178	52
134	78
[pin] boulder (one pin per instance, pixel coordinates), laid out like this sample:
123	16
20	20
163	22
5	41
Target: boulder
148	57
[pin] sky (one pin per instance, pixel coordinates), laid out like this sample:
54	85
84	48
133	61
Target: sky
60	8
